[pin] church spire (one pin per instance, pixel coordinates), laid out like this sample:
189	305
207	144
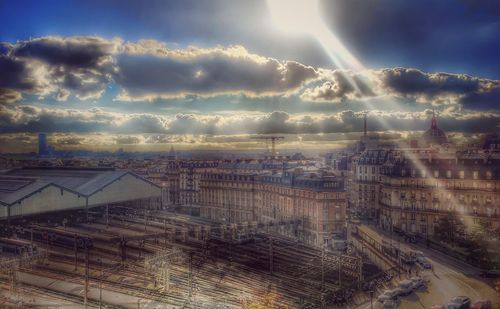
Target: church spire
434	120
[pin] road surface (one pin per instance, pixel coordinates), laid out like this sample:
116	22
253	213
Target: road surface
448	278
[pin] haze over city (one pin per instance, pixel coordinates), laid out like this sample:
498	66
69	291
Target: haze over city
250	154
208	74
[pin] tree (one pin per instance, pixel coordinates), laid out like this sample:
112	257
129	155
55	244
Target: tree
480	246
450	229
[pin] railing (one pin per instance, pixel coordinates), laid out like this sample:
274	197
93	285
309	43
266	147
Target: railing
440	211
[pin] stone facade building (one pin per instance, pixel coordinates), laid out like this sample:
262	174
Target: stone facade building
418	188
315	200
364	186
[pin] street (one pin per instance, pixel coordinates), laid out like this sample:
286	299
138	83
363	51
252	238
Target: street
448	278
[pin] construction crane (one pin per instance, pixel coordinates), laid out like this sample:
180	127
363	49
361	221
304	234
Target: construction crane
273	139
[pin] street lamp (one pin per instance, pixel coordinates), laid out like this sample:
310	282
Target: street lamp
371	299
100	283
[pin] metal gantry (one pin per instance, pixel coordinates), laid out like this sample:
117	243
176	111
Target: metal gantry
160	264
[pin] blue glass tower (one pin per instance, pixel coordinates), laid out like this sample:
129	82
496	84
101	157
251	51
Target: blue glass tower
42	144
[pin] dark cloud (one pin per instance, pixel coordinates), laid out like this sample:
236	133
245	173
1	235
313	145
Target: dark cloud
9	96
161	72
26	118
18	76
149	70
82	65
145	70
77	52
485	100
432	86
33	119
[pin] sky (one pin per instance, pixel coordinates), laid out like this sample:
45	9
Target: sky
150	74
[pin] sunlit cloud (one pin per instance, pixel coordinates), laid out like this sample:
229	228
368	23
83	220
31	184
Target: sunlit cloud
83	68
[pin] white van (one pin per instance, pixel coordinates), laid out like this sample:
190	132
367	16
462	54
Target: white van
406	287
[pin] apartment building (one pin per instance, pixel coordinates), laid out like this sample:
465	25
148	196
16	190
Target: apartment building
314	199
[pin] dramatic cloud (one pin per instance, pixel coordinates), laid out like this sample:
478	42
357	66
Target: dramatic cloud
33	119
21	75
339	86
82	65
438	88
484	100
148	70
27	118
9	96
145	70
91	53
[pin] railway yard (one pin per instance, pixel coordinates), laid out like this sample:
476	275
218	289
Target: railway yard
134	258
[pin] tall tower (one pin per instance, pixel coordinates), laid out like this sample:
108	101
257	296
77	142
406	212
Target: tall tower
172	155
434	120
365	129
42	144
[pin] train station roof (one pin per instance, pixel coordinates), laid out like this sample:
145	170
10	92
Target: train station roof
19	183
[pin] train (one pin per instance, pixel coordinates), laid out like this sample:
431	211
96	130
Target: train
55	237
16	247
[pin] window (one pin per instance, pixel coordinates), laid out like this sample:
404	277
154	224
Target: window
475	174
461	174
424	173
436	174
448	174
488	174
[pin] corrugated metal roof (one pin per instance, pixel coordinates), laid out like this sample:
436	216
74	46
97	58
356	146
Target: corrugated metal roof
17	184
99	182
12	197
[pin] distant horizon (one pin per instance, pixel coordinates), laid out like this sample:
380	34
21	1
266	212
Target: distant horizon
232	68
240	144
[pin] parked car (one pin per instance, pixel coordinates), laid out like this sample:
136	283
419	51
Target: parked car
422	261
407	258
417	282
389	304
389	295
459	302
406	287
418	254
482	304
411	238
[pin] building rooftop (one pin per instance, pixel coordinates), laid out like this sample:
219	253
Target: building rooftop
18	183
435	135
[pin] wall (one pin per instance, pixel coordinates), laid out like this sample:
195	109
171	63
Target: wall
49	199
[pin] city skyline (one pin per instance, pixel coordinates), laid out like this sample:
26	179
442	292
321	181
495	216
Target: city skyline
209	76
262	154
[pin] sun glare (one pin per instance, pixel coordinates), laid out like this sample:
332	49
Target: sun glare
303	16
295	16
